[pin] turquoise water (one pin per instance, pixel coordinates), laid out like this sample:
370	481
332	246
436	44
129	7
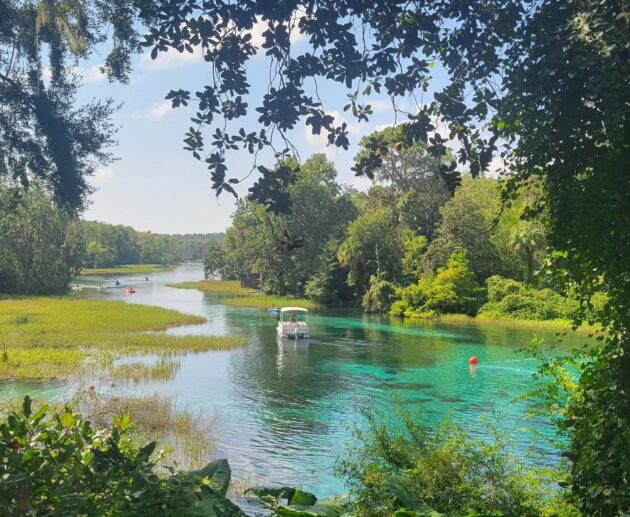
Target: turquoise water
287	409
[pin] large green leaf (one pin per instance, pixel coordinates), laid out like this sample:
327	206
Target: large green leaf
212	504
218	473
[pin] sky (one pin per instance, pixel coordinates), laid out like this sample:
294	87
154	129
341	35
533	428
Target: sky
155	185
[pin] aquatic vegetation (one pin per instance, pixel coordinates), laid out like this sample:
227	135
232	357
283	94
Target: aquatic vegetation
232	287
237	296
126	269
137	371
264	301
187	437
51	337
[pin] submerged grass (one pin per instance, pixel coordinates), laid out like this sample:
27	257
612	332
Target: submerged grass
126	269
237	296
51	337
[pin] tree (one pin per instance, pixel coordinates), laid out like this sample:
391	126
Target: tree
43	135
372	247
35	248
213	260
98	255
287	249
414	249
414	175
467	224
402	41
528	241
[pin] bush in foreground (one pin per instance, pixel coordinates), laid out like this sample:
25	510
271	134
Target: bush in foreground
400	467
60	466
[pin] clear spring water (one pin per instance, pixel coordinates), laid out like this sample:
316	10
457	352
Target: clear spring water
286	410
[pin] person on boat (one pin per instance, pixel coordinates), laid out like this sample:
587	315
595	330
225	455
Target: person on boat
117	282
146	278
293	318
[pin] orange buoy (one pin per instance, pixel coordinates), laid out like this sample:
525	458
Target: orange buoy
473	360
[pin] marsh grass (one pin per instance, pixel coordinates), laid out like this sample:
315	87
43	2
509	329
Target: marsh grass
127	269
236	296
187	437
231	287
162	370
46	337
263	301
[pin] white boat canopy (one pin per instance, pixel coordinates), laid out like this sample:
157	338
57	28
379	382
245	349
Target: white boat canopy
293	309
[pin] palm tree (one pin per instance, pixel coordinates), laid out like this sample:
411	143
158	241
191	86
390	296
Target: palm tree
528	240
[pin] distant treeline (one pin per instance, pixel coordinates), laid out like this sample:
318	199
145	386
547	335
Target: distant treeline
110	245
42	248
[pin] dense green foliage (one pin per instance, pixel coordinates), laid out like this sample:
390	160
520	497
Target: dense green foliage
453	289
398	463
61	466
38	243
381	251
289	250
58	464
509	298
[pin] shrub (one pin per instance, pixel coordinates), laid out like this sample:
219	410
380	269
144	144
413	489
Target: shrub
452	290
379	296
399	463
60	466
508	298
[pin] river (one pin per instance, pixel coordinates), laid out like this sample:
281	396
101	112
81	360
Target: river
287	410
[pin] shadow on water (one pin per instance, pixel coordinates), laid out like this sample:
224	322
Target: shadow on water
288	408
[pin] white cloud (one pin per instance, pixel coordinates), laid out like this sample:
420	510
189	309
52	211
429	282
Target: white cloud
92	74
380	105
158	111
103	174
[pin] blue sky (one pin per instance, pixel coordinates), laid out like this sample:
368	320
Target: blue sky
155	185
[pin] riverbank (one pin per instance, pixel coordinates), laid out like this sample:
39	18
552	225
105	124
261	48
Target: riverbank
236	296
61	337
533	325
126	269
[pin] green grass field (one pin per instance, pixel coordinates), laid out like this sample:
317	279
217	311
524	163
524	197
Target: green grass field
237	296
128	269
46	337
